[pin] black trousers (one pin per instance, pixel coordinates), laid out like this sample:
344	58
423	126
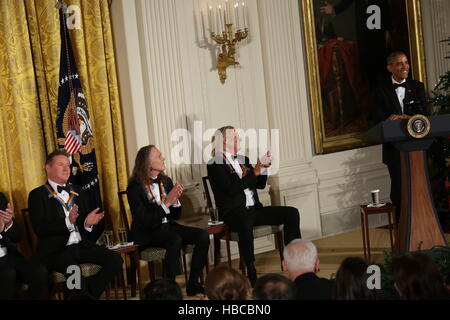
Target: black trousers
110	261
172	237
242	222
14	270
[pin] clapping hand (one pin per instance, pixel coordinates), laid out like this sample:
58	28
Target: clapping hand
7	215
174	194
73	214
263	164
93	218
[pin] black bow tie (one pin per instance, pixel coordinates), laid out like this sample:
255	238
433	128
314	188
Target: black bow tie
234	157
397	85
61	188
156	180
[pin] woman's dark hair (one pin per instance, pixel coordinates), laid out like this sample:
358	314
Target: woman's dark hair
141	165
351	281
417	277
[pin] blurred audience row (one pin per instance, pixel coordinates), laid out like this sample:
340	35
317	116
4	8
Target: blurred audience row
416	277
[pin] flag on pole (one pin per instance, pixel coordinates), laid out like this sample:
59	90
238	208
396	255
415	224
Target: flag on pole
73	125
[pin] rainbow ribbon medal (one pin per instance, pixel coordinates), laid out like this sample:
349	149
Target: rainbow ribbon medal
70	202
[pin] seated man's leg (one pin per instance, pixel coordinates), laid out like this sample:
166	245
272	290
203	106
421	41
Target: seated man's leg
7	279
110	261
276	215
62	260
35	275
166	237
200	239
242	222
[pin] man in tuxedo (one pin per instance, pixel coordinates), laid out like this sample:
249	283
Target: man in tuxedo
14	269
61	221
234	182
397	98
301	264
155	207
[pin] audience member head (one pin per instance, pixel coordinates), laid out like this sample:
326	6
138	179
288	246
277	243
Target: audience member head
225	139
57	167
224	283
417	277
351	281
300	257
398	65
162	289
149	163
274	286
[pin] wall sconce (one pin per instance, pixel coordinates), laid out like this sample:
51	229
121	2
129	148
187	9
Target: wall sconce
227	27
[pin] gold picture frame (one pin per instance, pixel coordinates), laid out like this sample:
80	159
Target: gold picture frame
340	142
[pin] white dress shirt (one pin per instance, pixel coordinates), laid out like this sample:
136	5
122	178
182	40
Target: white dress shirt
75	236
157	198
249	200
4	250
400	91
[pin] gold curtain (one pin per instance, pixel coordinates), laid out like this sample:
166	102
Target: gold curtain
29	72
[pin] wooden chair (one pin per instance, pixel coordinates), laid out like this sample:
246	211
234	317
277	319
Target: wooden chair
59	280
258	231
150	254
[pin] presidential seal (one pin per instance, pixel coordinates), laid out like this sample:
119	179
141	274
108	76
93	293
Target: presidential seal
418	126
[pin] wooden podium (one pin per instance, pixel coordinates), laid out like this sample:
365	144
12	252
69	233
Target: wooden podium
419	227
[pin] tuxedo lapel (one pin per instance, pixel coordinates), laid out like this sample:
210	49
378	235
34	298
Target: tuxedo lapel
392	97
409	93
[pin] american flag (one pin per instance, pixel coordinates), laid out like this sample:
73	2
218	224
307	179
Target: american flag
72	144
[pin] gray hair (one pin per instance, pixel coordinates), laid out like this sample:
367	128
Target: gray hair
300	255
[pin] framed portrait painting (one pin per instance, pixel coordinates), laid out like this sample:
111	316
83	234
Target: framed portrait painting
347	43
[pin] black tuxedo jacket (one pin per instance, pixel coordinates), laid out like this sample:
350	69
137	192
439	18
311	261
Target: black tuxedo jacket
48	220
13	234
147	216
228	188
311	287
386	103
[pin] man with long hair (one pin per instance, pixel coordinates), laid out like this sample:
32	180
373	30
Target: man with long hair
234	182
154	203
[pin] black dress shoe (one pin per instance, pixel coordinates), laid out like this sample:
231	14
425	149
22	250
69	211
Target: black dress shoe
195	288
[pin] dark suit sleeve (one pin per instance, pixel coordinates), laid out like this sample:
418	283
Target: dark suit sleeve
221	178
423	109
42	225
145	214
83	211
13	233
3	201
175	212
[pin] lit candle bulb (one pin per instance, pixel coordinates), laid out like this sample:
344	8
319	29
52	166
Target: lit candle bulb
236	14
211	23
244	13
220	18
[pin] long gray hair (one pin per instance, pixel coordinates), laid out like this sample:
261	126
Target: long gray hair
141	165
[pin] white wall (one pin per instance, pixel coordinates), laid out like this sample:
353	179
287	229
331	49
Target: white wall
167	82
